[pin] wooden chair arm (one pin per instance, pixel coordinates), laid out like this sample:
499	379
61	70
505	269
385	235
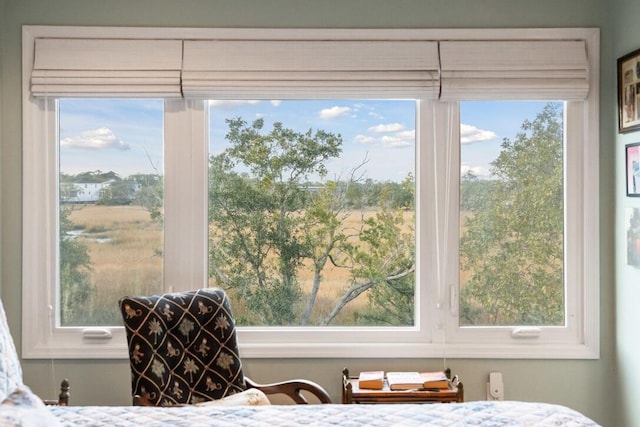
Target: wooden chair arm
142	400
293	389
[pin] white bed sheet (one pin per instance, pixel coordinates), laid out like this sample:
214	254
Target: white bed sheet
480	413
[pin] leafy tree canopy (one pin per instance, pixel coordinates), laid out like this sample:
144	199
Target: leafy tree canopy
270	225
513	244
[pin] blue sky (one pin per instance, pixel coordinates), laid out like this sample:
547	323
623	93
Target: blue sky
382	132
125	136
484	125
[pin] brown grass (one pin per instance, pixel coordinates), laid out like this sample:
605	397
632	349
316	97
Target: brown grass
124	245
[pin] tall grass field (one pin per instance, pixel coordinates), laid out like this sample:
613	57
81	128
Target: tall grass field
125	247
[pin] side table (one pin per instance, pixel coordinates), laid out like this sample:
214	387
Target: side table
352	393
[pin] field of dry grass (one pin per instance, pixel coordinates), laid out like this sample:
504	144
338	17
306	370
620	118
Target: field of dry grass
123	245
125	249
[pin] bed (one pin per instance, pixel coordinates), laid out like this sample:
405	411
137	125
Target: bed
480	413
23	408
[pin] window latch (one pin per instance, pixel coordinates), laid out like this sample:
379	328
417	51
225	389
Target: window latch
97	334
526	332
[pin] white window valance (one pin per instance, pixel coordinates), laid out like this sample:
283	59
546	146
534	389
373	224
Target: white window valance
107	67
531	69
281	69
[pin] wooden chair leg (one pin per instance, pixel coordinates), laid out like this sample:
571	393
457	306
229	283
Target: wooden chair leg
63	397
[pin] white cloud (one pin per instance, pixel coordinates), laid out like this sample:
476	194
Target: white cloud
470	134
479	171
330	113
409	135
96	139
399	140
391	127
364	139
276	102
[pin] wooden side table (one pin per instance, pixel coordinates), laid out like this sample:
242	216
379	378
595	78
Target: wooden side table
351	393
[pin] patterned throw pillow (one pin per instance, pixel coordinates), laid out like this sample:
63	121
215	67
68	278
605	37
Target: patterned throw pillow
10	369
182	346
250	397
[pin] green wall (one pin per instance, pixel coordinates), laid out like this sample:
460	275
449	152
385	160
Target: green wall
584	385
626	38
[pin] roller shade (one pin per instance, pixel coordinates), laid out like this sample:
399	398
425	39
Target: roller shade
281	69
107	67
532	69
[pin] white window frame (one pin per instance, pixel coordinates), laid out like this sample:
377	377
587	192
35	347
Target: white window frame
436	333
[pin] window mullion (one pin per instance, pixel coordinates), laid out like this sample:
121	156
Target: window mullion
185	218
441	163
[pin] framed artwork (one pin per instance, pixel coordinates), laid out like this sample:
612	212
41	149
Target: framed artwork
632	155
629	92
632	219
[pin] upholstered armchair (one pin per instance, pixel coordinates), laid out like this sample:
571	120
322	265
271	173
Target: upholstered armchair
183	349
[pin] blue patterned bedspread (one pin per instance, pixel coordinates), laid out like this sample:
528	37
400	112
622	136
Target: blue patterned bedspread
480	413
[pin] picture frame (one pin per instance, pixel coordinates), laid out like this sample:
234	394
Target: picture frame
632	159
632	226
629	92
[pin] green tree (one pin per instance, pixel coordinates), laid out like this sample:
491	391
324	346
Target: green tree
68	191
75	266
382	260
96	176
257	196
117	193
513	244
268	222
474	192
150	195
322	232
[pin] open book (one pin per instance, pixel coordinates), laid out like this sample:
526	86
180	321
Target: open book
417	380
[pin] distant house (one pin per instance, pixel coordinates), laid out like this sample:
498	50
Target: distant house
88	192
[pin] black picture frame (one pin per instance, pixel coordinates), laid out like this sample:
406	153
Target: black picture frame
632	161
629	92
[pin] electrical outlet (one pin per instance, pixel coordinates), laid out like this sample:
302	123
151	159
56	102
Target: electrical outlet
495	386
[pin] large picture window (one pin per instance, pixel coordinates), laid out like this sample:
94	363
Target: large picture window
408	195
311	211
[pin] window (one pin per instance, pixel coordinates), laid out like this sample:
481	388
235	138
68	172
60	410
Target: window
110	240
512	214
372	206
311	208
